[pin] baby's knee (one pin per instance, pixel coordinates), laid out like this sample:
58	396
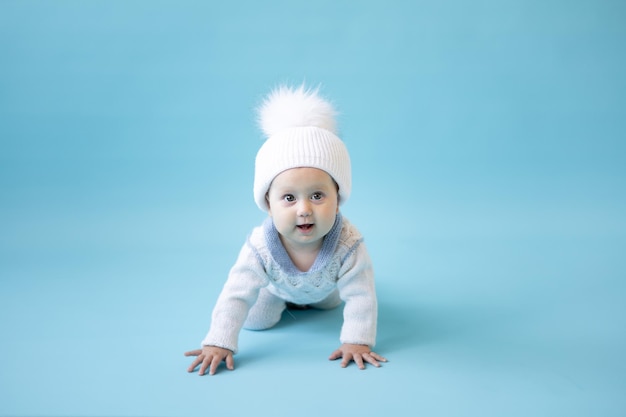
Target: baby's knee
264	316
265	313
258	322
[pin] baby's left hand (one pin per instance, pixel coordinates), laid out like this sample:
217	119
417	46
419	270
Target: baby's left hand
357	353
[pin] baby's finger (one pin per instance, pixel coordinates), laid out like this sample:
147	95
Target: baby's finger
214	364
378	357
346	360
369	358
205	364
230	362
195	363
358	359
193	352
335	355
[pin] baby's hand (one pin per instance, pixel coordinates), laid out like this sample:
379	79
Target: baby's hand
210	357
358	354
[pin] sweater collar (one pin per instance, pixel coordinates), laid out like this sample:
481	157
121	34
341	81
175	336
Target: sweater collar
280	255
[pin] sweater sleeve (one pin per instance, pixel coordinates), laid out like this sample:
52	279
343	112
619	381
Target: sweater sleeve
357	289
240	292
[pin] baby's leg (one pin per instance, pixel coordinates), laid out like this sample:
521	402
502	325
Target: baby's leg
329	302
266	312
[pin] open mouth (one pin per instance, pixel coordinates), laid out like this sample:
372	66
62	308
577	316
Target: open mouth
305	227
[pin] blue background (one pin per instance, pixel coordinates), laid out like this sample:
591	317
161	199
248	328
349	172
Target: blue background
488	148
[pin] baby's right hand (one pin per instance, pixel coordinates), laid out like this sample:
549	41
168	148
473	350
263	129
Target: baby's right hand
210	357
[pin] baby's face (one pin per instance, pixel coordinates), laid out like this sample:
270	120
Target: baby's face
303	203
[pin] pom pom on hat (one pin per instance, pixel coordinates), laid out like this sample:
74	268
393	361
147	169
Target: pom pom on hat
286	108
301	132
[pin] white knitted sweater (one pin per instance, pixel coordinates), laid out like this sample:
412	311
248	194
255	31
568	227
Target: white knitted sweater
343	264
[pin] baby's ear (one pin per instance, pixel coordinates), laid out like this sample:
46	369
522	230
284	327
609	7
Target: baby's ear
267	201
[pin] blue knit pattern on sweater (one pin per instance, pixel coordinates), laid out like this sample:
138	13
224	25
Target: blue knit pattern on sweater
281	257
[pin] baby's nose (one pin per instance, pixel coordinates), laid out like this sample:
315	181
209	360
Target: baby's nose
304	209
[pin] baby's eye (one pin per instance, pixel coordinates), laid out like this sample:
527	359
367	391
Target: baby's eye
289	198
317	196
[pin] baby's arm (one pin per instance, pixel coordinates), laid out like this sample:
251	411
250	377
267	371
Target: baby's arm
358	333
239	293
210	357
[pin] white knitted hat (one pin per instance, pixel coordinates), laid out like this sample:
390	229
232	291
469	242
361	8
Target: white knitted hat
301	132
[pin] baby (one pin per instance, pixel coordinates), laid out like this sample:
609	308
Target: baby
305	253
